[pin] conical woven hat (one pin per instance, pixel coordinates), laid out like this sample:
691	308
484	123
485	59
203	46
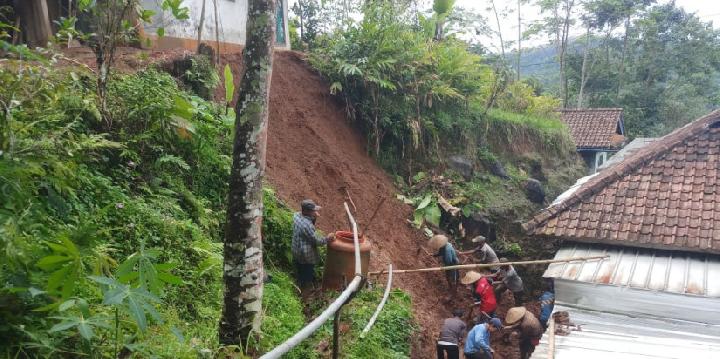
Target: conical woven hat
471	277
437	241
515	314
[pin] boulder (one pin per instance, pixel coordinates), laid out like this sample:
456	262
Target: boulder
463	165
478	224
534	191
496	167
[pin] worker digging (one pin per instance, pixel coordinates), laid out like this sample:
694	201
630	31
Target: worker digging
507	278
483	252
488	281
477	344
451	335
447	253
483	295
524	324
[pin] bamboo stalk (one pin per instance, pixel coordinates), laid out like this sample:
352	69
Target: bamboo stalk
479	265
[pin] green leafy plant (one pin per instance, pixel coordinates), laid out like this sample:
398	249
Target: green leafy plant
426	209
65	265
141	270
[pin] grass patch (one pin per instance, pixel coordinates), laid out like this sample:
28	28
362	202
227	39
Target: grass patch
282	317
517	134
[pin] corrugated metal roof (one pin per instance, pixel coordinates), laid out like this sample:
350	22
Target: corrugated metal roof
605	335
654	270
626	151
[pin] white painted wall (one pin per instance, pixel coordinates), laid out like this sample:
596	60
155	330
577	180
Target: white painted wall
232	14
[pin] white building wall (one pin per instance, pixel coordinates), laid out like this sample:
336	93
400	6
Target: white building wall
232	20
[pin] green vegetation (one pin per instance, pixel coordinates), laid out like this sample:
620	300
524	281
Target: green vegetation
654	59
106	223
111	230
283	315
420	99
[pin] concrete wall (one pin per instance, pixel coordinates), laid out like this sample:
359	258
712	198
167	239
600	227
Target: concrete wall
232	22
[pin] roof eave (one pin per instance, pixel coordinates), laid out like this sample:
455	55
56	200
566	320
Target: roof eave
620	243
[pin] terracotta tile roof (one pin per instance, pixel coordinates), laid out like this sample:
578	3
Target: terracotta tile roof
666	195
594	128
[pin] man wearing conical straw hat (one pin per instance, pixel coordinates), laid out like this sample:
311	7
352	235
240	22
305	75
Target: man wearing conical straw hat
483	294
526	325
445	250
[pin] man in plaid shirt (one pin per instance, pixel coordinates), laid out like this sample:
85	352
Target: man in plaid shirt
305	242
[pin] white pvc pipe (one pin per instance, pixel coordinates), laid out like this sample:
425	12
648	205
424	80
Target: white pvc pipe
382	303
304	333
309	329
356	241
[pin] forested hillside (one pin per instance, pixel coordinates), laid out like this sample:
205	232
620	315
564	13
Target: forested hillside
655	60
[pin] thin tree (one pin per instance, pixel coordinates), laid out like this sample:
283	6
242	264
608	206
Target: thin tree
243	250
567	21
497	20
584	71
35	21
519	49
217	32
201	25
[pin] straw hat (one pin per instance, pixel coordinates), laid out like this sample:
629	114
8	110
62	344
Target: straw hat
514	315
471	277
437	241
478	239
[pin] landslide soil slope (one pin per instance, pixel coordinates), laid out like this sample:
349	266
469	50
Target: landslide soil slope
314	152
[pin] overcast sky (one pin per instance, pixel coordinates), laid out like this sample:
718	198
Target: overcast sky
707	10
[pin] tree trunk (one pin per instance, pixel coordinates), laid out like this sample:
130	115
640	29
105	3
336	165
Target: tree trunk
439	26
217	32
200	26
302	23
519	49
243	250
563	51
583	72
621	70
34	21
497	20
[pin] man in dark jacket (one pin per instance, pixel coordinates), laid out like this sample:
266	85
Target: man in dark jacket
305	242
452	332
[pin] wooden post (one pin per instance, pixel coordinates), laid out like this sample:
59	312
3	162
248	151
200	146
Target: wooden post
551	339
474	266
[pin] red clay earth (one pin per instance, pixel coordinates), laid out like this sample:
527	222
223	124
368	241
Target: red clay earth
314	152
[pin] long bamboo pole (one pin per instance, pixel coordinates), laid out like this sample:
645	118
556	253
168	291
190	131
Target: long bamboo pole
486	265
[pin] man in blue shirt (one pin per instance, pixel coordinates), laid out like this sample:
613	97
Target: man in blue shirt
477	344
446	251
547	302
305	243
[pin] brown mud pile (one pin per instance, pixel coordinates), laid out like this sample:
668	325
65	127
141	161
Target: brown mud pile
313	152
